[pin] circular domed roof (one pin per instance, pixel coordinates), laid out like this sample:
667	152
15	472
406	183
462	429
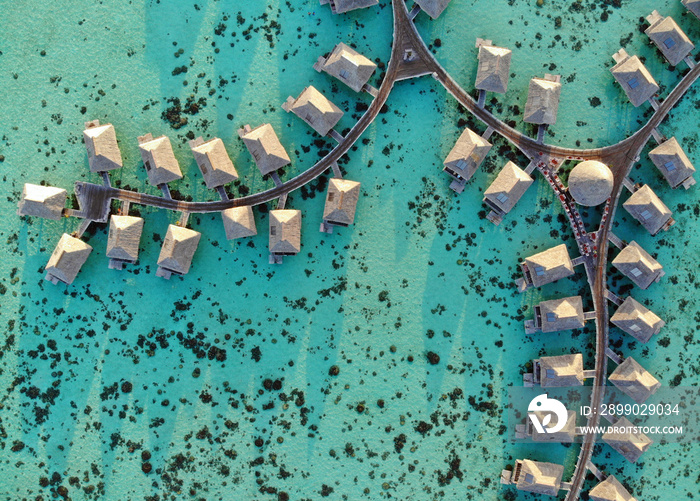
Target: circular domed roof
590	183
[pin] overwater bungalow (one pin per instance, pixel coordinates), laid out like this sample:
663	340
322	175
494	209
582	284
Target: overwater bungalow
213	162
66	260
543	97
466	156
638	265
565	435
159	159
637	320
285	234
647	208
177	252
348	66
673	163
342	6
239	222
42	201
591	183
341	202
433	7
693	6
505	191
673	43
534	476
634	380
634	78
545	267
557	315
123	240
610	489
314	109
265	147
494	67
623	439
557	372
102	148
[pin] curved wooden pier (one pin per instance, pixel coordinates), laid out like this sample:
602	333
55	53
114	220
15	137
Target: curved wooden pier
95	200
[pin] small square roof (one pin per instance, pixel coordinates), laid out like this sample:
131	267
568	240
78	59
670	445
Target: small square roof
635	79
508	187
542	103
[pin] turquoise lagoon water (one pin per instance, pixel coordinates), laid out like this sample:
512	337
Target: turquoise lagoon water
224	382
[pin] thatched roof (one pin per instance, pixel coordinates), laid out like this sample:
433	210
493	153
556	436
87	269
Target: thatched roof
637	320
634	78
314	109
561	371
673	43
42	201
542	103
66	260
178	249
267	151
341	201
610	489
537	477
433	7
591	183
102	148
550	265
638	265
508	187
342	6
494	69
562	314
631	445
213	161
634	380
285	231
159	159
239	222
648	209
565	435
348	66
672	161
124	237
467	154
693	6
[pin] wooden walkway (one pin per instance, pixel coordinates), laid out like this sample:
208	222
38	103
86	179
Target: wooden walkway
411	58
